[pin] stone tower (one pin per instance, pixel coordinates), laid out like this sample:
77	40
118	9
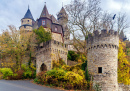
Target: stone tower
27	22
103	58
63	19
53	49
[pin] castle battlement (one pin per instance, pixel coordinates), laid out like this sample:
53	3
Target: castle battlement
102	55
103	39
52	45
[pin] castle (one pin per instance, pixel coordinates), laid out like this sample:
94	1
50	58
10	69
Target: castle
102	58
102	47
56	47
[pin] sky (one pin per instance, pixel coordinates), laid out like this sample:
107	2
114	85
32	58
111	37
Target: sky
12	11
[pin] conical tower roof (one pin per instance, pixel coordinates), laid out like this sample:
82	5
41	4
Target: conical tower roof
28	14
62	10
45	12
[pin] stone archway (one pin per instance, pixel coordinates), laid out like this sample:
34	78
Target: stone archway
43	67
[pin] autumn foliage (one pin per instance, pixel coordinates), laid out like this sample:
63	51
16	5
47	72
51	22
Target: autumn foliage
123	65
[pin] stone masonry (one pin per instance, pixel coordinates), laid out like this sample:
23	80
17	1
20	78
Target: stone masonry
49	51
102	58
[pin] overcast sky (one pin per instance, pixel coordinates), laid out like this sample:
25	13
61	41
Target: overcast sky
12	11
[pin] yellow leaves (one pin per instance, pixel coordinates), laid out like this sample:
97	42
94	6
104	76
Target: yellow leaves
14	45
123	65
73	77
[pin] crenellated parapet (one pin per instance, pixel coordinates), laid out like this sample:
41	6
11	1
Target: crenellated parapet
54	46
102	57
103	39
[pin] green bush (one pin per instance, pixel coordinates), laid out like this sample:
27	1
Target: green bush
6	72
84	65
72	56
27	74
87	77
59	74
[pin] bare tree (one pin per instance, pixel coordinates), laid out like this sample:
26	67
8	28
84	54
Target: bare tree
84	18
122	24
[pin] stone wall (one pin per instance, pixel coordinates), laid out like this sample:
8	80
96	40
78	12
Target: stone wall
26	21
27	28
123	87
49	51
102	55
57	37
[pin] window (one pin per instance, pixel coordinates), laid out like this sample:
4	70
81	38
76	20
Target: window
43	22
56	28
24	26
99	69
28	20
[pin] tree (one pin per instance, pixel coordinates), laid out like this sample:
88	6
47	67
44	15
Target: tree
83	19
86	17
123	65
42	35
14	47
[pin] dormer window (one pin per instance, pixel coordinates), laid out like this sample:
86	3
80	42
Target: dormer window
56	29
43	22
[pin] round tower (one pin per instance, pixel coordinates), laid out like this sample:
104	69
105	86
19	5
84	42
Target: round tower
63	20
27	22
103	58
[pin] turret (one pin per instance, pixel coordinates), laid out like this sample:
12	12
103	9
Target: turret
45	18
102	56
63	19
27	21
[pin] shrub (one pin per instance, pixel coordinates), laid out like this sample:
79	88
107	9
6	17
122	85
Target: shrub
80	72
84	65
1	75
72	56
6	72
73	77
58	63
87	77
27	74
66	67
59	74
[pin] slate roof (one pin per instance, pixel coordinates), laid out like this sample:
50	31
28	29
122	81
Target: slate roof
62	10
45	12
28	15
54	19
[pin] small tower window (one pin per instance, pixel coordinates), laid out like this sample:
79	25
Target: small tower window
99	69
28	20
43	22
56	28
